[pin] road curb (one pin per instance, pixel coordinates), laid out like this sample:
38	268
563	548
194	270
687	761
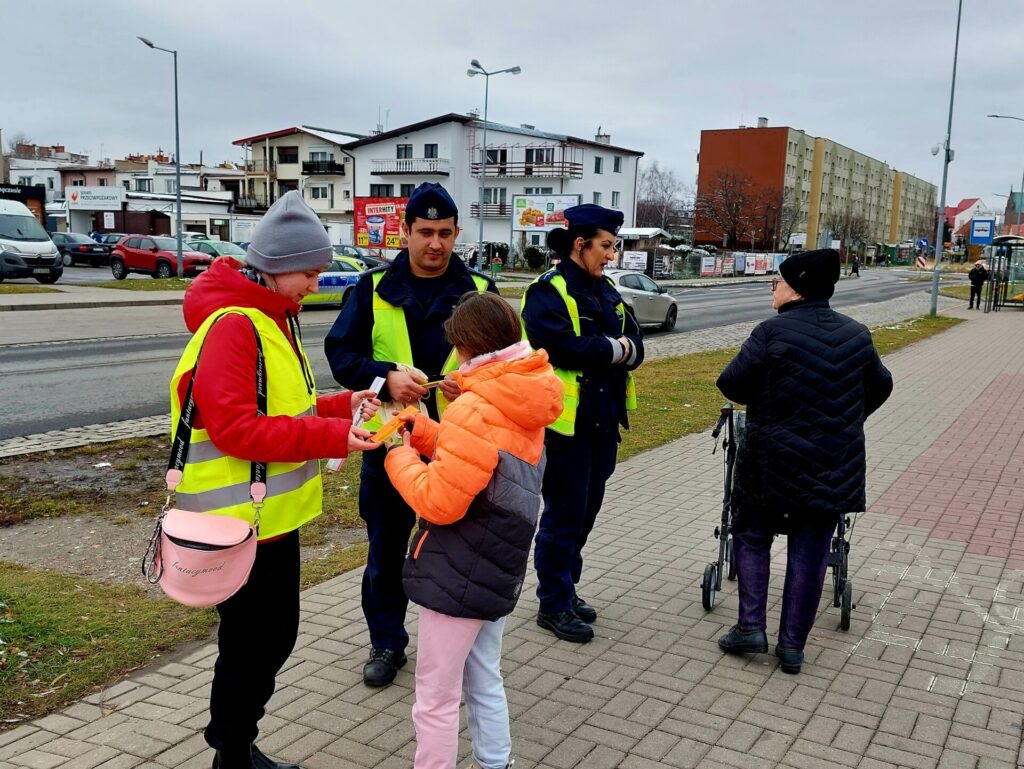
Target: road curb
86	305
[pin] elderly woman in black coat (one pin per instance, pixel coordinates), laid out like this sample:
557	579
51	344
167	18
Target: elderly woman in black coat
809	377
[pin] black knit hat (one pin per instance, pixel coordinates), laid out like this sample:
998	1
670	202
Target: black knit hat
812	274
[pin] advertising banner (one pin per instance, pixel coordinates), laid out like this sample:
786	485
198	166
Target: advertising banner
707	266
760	264
779	259
378	221
728	266
634	260
95	198
541	213
741	263
108	220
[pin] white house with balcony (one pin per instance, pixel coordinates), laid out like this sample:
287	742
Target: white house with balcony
304	158
519	160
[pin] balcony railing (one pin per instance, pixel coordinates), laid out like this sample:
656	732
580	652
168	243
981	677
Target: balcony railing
560	169
261	167
491	210
250	202
323	167
436	166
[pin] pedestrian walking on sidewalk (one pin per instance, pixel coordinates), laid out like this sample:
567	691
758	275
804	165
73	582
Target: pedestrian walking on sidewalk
809	377
393	327
977	276
594	342
232	319
478	497
855	267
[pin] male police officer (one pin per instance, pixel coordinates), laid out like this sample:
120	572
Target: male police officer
396	316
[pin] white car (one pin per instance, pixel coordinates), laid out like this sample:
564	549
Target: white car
651	304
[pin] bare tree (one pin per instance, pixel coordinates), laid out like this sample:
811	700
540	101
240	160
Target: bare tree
19	137
778	213
727	205
660	197
848	226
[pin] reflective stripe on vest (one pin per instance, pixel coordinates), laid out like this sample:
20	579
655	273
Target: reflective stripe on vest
566	422
390	337
216	483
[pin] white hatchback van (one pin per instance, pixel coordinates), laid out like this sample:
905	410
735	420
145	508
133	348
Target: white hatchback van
26	250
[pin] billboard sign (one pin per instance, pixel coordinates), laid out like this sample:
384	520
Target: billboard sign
95	198
982	231
634	260
378	221
540	213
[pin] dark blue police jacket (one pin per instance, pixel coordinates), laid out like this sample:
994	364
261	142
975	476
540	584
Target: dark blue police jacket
349	346
602	406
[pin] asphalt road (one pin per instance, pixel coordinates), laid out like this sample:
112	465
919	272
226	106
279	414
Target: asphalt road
57	385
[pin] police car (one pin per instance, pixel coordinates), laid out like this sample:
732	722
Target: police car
335	284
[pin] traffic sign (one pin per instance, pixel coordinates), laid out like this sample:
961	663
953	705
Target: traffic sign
982	231
921	263
922	242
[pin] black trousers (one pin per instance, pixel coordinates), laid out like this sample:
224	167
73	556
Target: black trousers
258	628
975	293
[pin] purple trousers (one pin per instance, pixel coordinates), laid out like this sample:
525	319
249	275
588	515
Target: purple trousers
807	550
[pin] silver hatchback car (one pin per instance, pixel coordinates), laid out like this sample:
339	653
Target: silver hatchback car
651	304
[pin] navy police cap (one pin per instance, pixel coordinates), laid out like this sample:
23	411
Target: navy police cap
593	215
430	201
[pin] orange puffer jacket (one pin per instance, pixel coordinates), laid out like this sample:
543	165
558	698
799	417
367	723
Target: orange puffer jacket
479	496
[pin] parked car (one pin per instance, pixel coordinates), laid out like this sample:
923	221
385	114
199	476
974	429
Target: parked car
352	254
215	248
651	304
335	284
26	250
110	238
154	255
75	247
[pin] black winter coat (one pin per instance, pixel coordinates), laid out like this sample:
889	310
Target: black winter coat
810	376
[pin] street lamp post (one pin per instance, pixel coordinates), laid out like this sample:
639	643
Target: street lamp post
946	159
177	154
1021	201
474	70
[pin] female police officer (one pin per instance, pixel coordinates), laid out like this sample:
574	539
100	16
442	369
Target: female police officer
594	342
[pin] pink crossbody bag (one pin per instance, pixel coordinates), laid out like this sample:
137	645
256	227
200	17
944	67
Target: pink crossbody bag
200	559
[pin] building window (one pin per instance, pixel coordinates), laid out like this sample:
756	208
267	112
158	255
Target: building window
430	150
25	181
169	184
74	183
143	185
347	194
320	156
127	184
404	151
597	198
287	154
534	240
318	191
617	164
495	195
382	190
103	182
405	190
540	155
598	164
539	190
615	200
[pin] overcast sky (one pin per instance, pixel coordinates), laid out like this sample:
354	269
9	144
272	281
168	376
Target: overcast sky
871	74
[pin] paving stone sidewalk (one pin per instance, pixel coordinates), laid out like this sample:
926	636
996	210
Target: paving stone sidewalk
929	676
873	315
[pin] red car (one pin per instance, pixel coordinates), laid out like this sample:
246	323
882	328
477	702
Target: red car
154	255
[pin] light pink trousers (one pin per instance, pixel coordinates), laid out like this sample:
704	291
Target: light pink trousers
455	657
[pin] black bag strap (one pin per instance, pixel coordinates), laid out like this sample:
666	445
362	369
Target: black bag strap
183	435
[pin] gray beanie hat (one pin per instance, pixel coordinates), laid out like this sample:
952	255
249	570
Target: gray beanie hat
289	238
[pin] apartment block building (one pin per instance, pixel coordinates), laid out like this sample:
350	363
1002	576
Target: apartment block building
820	179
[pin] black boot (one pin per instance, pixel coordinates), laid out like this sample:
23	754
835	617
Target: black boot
566	626
740	641
234	758
382	666
584	610
260	761
790	660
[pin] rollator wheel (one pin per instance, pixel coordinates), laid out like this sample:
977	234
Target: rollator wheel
708	586
844	612
730	564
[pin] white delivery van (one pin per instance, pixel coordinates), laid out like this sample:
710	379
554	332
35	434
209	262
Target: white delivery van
26	250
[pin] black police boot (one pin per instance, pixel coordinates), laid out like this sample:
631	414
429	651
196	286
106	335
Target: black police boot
583	610
234	758
790	660
566	626
382	666
740	641
260	761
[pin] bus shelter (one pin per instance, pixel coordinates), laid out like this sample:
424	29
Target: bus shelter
1005	261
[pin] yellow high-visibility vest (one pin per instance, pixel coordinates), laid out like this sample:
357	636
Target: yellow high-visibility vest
566	423
213	482
390	337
